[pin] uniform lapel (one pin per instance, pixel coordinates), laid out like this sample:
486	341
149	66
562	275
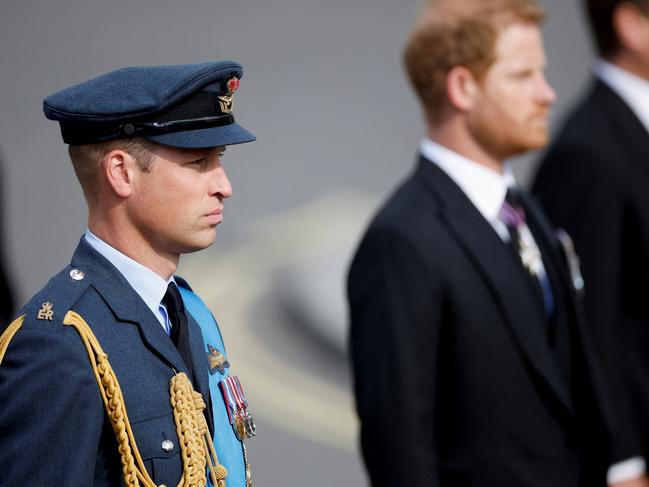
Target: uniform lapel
125	303
493	261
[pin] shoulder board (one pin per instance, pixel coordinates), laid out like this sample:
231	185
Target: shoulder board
49	306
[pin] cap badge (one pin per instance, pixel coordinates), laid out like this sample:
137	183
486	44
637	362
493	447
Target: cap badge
45	313
217	360
226	101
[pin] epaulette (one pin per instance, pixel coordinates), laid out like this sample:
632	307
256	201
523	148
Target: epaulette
49	306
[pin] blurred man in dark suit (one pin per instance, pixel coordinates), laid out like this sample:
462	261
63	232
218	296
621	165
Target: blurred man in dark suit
594	182
471	365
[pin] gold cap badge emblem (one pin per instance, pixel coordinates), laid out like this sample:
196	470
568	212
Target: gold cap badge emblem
217	360
226	101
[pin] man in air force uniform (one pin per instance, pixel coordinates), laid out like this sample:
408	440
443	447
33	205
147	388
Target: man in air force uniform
106	377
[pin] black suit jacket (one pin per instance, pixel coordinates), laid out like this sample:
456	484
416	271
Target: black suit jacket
455	382
594	182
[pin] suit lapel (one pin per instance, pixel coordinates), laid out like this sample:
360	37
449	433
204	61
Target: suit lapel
125	303
494	262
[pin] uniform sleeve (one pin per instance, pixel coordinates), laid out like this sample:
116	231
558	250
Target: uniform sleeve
586	199
51	412
395	319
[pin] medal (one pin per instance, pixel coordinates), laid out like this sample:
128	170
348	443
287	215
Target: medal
240	428
247	464
529	252
249	422
237	406
240	418
216	360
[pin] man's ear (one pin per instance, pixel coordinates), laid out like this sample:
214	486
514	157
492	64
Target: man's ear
461	88
119	167
631	25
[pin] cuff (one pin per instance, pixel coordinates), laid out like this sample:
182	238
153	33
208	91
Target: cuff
626	470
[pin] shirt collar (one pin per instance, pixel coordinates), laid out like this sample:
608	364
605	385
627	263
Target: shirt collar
633	89
485	187
149	285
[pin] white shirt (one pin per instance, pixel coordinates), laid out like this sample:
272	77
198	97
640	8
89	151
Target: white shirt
146	283
486	189
633	89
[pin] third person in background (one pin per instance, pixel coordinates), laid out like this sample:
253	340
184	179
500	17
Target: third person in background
594	182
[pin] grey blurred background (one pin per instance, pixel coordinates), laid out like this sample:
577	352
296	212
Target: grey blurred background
337	128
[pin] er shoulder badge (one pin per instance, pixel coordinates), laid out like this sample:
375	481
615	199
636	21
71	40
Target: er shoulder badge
46	312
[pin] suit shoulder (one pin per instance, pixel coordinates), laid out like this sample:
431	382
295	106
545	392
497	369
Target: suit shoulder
587	134
48	307
409	205
585	151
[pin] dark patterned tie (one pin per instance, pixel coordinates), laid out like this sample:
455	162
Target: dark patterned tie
179	326
512	215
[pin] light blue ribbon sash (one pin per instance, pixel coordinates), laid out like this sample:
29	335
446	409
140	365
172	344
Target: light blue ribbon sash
228	447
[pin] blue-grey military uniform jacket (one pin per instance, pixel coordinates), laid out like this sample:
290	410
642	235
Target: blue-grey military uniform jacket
53	428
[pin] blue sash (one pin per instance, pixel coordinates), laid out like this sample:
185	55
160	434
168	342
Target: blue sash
228	447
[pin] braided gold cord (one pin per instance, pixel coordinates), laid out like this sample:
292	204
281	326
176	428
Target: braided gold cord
8	334
134	475
218	472
193	433
185	415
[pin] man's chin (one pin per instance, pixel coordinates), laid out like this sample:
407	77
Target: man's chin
199	244
535	141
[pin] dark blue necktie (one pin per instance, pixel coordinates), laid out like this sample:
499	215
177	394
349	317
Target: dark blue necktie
179	333
512	214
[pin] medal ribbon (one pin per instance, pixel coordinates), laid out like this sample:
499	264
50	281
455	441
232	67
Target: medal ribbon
239	389
229	398
241	406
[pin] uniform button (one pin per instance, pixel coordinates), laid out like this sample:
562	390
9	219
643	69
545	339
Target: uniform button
167	445
76	274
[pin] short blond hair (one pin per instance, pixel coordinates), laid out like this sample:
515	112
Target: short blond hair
86	159
453	33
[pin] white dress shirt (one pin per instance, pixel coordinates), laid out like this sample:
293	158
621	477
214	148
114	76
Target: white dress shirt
486	189
146	283
633	89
